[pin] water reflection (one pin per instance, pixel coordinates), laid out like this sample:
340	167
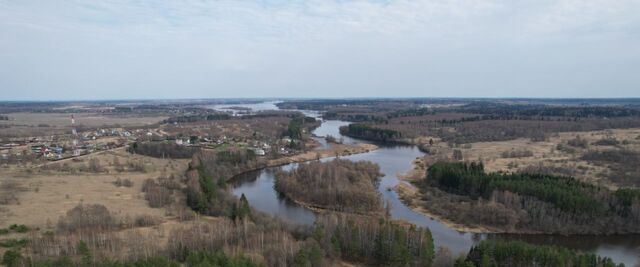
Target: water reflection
332	127
257	187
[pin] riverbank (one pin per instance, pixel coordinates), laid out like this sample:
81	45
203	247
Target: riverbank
412	197
333	151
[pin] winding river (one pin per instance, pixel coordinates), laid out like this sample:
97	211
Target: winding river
393	160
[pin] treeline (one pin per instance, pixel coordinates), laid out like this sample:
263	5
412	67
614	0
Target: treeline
333	238
549	110
544	203
4	118
340	185
489	127
261	239
334	115
517	253
537	130
199	117
367	132
162	150
207	115
324	104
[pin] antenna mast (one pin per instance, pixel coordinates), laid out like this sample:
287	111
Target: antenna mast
74	138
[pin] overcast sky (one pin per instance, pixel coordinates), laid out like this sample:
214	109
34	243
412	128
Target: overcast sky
124	49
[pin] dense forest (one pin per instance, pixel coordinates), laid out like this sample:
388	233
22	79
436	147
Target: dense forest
162	150
340	185
199	117
541	203
516	253
364	131
502	111
539	110
332	115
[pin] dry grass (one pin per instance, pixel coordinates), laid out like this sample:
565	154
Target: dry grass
49	194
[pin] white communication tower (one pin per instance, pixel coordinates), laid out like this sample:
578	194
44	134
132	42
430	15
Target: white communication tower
74	138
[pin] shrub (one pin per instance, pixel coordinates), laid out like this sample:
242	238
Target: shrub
86	218
10	243
123	182
137	166
607	142
331	139
95	166
578	142
12	258
566	148
146	220
20	228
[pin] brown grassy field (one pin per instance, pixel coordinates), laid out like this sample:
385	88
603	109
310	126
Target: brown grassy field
25	124
48	192
86	119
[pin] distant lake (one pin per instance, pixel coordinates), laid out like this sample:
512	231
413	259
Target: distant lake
244	109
